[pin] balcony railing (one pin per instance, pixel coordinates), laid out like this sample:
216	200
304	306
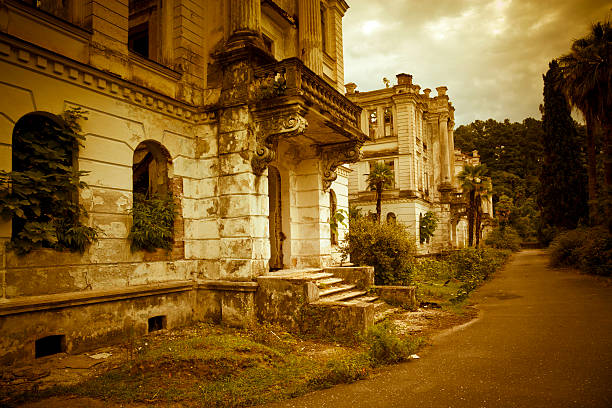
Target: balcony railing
291	77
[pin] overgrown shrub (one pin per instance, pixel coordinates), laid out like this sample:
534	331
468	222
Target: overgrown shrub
565	248
386	347
388	247
153	222
589	249
504	238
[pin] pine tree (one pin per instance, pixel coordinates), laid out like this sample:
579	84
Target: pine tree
563	194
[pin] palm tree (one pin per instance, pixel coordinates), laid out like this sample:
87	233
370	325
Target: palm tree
380	178
585	79
475	183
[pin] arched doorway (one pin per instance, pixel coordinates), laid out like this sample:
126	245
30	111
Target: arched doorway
275	219
333	207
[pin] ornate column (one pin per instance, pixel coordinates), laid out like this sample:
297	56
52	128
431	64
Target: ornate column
444	149
245	19
310	36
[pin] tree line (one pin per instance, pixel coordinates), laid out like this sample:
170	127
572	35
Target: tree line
555	174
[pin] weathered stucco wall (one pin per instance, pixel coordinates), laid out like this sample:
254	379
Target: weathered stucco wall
193	97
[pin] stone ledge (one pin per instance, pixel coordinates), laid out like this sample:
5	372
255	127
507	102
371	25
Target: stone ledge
231	286
397	295
71	299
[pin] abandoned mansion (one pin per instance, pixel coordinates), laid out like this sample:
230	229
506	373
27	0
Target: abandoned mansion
236	110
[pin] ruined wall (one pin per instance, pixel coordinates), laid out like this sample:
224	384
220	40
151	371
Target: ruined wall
195	104
115	289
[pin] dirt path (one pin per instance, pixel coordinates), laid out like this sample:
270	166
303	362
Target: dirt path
543	339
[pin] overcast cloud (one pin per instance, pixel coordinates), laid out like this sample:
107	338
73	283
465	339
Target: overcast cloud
491	54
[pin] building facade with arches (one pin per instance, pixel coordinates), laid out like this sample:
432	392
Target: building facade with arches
231	107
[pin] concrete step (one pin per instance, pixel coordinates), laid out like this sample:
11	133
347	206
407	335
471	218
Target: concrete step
328	282
300	274
363	299
342	296
335	290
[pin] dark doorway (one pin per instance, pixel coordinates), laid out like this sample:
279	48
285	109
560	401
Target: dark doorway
276	230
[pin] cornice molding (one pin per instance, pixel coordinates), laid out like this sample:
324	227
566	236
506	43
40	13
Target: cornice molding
31	57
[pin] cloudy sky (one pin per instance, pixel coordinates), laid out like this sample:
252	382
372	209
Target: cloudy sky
491	54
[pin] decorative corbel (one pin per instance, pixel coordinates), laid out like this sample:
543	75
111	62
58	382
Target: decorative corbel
268	130
335	155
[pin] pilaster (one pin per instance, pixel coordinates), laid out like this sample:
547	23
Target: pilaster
451	150
444	149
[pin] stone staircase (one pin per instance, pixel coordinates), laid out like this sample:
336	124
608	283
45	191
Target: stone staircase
328	301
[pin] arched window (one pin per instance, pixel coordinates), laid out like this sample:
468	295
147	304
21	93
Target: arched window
333	207
154	209
38	148
391	218
150	169
43	199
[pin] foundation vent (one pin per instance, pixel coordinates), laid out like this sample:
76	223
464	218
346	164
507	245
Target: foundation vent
157	323
49	345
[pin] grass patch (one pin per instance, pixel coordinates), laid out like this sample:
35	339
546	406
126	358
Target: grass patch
221	367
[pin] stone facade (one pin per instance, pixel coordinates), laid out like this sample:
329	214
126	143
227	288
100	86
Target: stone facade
238	103
412	132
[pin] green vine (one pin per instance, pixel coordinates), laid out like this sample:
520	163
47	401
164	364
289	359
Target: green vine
153	222
427	226
40	195
338	219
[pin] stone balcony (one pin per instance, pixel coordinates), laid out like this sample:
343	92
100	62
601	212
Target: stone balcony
290	81
289	101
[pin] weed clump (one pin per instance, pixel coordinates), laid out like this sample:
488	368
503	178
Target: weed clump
386	347
153	225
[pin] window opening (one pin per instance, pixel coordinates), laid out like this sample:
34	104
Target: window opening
373	123
388	122
49	345
157	323
144	28
138	40
57	8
